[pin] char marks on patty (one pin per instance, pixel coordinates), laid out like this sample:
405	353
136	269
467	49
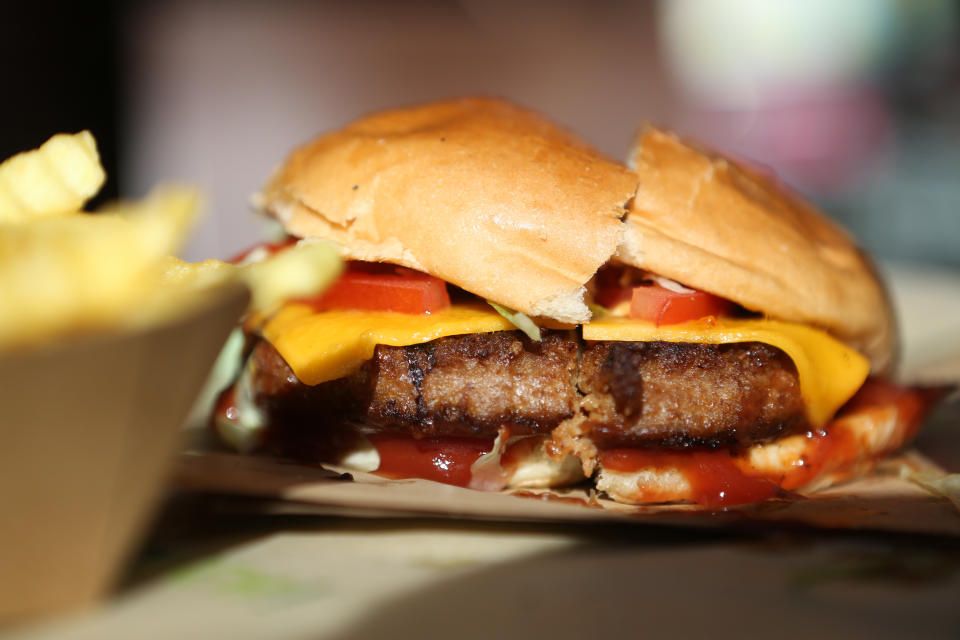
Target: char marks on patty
468	385
474	384
673	395
677	395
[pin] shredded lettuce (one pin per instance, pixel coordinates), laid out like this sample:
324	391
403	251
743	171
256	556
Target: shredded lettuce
225	370
245	432
597	310
672	285
519	320
487	474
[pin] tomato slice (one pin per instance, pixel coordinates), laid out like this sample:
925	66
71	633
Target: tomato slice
612	286
660	305
381	287
610	297
270	247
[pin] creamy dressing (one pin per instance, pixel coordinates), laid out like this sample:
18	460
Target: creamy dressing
242	426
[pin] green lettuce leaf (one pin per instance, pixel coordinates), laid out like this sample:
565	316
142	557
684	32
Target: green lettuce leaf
519	320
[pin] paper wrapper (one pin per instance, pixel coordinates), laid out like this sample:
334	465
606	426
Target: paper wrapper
90	429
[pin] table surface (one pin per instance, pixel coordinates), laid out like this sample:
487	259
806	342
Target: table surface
212	569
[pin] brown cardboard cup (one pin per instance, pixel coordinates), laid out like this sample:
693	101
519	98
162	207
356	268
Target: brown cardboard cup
90	428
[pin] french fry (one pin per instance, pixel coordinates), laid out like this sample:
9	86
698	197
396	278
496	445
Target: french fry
298	271
74	273
56	179
63	273
165	216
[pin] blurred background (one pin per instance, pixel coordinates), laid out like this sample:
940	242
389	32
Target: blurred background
856	104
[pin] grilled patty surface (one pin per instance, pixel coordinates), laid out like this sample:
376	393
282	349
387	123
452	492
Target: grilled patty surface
467	385
672	395
677	395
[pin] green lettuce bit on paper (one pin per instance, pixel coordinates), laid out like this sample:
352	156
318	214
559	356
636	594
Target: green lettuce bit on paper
520	320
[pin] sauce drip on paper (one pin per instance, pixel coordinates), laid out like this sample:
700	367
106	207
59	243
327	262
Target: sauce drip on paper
443	459
722	479
714	478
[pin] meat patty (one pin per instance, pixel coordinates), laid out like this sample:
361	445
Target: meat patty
467	385
677	395
474	384
672	395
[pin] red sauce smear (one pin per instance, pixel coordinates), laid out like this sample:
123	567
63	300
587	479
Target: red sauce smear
441	459
722	479
837	449
225	407
715	480
225	410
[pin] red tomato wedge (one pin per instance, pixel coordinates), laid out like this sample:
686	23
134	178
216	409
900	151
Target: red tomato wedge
662	306
612	296
368	286
610	288
270	247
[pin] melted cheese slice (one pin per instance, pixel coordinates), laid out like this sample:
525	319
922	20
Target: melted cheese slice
325	346
829	371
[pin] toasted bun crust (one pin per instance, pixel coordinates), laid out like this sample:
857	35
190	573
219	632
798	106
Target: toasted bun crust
480	192
499	201
709	223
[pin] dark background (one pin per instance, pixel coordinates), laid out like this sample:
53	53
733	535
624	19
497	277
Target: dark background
62	71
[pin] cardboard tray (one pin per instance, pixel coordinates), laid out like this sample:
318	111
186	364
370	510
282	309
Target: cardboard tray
90	428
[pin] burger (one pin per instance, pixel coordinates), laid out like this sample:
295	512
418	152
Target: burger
519	310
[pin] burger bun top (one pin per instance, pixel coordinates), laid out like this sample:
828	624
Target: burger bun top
735	231
482	193
496	199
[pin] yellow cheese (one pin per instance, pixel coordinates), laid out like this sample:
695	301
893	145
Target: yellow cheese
829	371
329	345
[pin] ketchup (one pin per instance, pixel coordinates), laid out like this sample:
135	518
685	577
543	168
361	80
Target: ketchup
838	448
441	459
715	480
722	479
